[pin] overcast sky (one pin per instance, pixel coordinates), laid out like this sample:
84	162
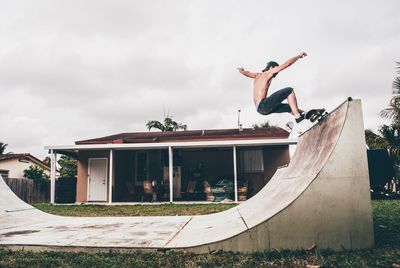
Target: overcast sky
72	70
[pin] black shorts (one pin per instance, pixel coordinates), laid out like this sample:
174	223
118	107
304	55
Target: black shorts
273	103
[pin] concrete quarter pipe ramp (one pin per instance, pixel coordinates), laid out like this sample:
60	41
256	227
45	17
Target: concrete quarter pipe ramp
321	198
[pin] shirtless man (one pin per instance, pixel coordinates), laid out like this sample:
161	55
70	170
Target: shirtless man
273	104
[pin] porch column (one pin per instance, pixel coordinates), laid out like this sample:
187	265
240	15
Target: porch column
53	170
110	176
171	174
235	173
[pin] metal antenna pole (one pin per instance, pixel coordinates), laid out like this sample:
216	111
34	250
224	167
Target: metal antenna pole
239	125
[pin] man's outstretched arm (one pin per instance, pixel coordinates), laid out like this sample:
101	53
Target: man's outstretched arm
247	73
288	63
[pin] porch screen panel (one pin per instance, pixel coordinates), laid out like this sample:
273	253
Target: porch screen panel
253	161
142	162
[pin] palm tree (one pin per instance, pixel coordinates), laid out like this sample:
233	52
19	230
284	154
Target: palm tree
391	133
169	125
375	141
47	160
3	147
392	140
393	111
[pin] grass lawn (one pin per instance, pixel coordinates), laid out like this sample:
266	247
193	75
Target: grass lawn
385	253
133	210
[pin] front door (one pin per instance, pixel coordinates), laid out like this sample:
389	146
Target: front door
97	179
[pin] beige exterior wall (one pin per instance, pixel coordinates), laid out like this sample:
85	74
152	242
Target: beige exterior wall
16	168
82	178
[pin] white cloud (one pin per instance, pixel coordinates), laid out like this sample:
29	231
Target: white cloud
72	70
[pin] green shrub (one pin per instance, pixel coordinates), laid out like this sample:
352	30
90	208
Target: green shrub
38	175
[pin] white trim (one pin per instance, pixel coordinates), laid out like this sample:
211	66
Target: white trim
110	176
53	168
88	182
235	174
171	174
165	145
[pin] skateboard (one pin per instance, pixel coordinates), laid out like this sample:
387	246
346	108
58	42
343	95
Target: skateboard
316	114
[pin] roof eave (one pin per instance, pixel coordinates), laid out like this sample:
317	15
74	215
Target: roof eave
165	145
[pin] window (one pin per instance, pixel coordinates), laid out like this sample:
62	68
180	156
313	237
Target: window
253	161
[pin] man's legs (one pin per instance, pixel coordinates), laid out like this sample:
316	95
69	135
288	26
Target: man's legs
285	108
273	104
292	100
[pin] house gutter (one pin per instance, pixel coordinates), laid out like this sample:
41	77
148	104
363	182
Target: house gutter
166	145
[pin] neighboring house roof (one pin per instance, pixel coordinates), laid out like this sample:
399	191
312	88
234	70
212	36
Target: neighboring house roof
190	135
26	157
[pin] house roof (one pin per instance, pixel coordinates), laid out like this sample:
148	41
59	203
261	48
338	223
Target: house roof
192	135
24	156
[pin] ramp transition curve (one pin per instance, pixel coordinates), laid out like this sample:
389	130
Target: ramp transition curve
321	198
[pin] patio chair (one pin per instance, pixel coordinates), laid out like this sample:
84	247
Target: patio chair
190	193
147	191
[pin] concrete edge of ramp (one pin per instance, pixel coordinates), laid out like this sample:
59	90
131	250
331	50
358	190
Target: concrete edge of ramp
313	151
280	216
333	212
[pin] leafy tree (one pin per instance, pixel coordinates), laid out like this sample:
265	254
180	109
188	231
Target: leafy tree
393	111
3	147
47	160
169	125
374	141
391	133
396	82
36	173
68	166
391	136
264	125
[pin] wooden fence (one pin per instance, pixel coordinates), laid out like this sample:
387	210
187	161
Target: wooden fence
29	190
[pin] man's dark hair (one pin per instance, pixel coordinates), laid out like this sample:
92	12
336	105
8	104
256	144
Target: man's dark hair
270	65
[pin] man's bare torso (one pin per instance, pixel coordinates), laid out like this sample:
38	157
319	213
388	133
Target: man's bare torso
262	81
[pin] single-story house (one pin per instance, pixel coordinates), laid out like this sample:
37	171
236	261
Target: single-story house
173	166
13	165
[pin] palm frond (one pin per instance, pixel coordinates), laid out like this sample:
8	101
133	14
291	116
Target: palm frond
393	111
387	113
3	147
391	136
169	125
396	83
155	124
180	126
375	141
